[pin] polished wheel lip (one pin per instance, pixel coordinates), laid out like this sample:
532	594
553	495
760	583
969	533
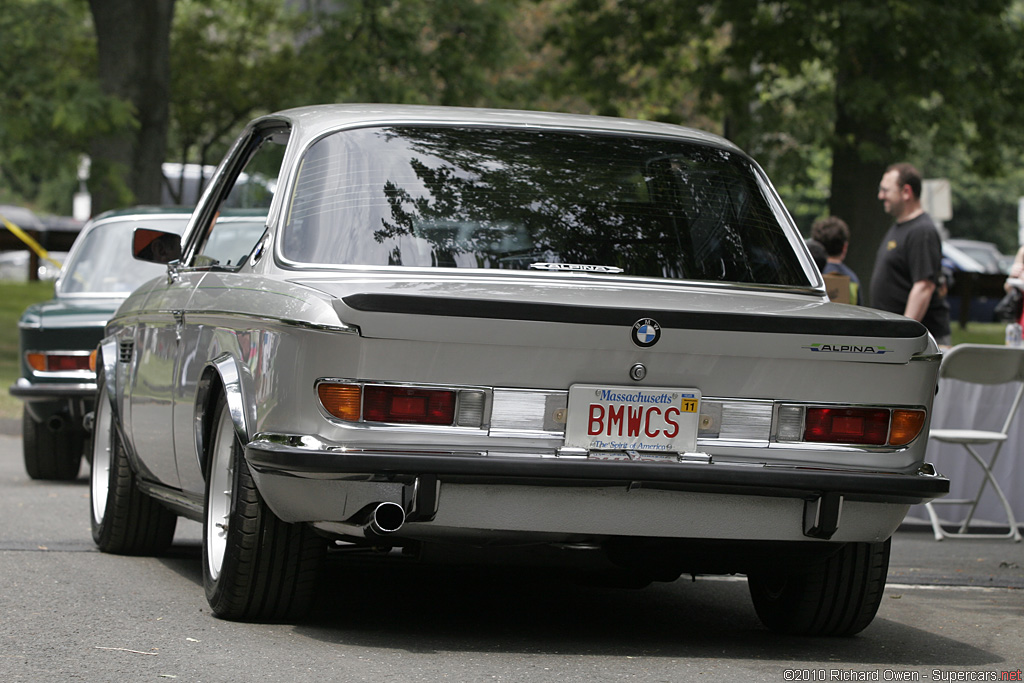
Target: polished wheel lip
99	477
218	504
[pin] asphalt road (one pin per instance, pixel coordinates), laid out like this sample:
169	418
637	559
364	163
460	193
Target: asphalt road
952	611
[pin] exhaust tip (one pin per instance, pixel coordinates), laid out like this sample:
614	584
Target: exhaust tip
387	518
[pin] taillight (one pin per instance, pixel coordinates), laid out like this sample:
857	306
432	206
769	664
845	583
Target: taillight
397	404
408	406
906	425
57	361
849	425
343	401
868	426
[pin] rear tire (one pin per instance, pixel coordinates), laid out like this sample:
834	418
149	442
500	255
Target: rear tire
836	597
51	454
125	520
255	566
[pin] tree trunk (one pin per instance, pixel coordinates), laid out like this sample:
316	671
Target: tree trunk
133	40
862	147
854	198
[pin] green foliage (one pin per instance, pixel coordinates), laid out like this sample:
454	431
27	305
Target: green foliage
635	58
230	61
793	82
408	51
824	94
979	333
258	56
52	105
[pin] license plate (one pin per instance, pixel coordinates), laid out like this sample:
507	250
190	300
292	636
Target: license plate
603	418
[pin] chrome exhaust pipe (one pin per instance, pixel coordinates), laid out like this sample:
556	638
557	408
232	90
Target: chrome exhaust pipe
387	518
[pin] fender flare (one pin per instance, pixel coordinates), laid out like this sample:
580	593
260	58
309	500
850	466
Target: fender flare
106	365
222	376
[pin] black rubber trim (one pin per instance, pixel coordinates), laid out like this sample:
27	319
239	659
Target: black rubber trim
277	459
590	315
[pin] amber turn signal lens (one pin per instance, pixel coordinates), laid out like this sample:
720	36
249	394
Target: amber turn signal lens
340	400
92	360
906	426
36	361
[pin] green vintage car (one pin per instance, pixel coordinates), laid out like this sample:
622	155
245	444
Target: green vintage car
57	337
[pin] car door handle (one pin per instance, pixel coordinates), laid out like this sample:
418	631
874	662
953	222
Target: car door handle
179	323
172	272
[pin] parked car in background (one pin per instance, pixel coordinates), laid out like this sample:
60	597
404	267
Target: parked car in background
975	276
490	328
57	337
957	260
14	265
986	254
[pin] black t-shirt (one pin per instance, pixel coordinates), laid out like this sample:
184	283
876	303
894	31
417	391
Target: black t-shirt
911	251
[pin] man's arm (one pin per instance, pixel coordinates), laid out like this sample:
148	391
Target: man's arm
919	298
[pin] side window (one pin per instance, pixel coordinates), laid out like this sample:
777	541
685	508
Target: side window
240	219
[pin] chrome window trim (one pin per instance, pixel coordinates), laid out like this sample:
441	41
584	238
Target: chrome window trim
195	316
277	216
569	278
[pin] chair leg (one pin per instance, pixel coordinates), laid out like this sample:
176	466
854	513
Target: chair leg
937	529
990	478
986	469
963	532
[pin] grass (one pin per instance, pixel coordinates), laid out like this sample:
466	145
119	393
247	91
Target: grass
979	333
15	297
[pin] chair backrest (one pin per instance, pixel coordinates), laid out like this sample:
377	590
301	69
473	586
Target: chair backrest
987	364
983	364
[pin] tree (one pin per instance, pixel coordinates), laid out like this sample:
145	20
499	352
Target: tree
896	73
52	104
230	60
133	48
446	52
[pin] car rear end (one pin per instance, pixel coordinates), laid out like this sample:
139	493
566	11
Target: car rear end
578	333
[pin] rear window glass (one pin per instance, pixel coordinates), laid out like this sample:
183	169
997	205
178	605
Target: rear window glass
455	197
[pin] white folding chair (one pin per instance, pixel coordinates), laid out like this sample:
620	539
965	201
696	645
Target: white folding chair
980	364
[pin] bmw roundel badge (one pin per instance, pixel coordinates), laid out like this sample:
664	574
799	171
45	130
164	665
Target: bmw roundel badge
646	332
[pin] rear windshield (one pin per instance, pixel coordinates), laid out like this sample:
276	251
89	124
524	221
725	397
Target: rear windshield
453	197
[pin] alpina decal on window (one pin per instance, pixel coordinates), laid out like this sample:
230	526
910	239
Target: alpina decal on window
848	348
646	332
576	267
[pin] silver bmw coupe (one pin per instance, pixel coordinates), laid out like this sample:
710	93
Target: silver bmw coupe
488	328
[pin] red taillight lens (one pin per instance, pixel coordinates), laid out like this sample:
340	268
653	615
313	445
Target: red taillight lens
408	406
867	426
57	362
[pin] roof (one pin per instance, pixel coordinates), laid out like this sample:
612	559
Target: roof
22	217
313	121
144	211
